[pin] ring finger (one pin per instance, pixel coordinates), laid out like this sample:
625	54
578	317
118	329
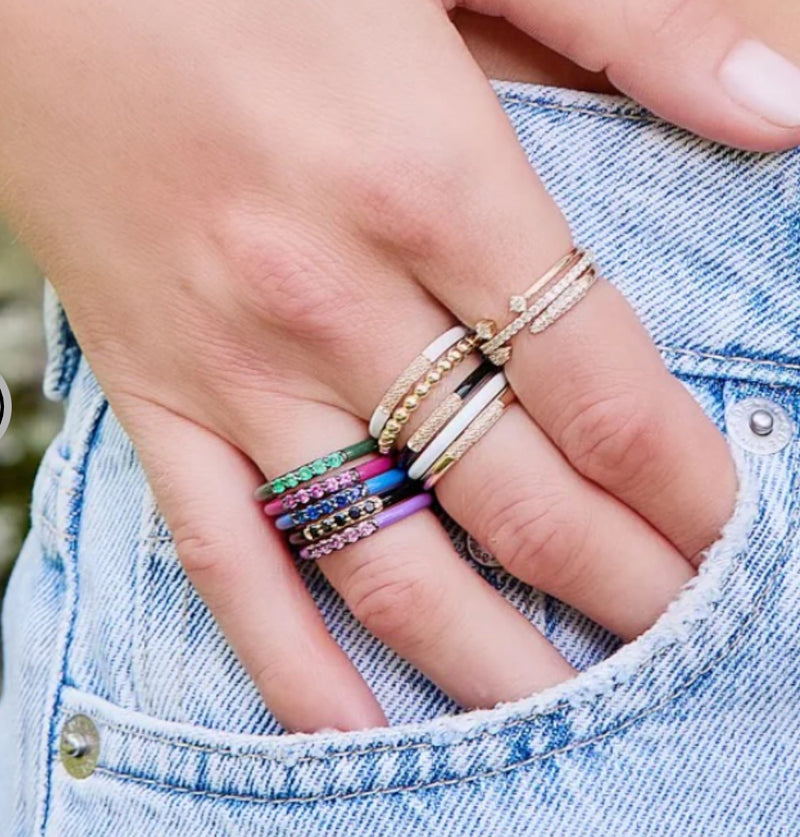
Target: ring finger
518	495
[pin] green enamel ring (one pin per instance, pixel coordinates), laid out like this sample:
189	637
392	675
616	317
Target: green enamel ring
312	470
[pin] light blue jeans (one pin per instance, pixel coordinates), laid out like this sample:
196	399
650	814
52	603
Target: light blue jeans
694	728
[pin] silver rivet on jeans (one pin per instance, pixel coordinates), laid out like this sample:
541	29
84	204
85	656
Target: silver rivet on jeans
759	425
481	555
762	422
79	746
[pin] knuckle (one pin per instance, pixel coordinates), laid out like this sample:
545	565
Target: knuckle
201	550
293	279
302	299
392	600
641	29
612	439
271	675
408	198
538	538
669	20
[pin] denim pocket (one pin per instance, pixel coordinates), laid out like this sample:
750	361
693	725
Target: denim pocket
644	709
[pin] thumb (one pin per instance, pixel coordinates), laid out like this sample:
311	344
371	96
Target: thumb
689	61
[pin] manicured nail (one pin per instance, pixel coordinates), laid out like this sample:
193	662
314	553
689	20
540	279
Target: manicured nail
761	80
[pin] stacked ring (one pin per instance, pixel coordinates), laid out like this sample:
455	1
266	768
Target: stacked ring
316	468
367	528
443	413
330	485
492	387
340	500
572	277
361	510
406	380
421	389
484	422
328	514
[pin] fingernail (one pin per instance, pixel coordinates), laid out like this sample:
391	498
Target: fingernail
761	80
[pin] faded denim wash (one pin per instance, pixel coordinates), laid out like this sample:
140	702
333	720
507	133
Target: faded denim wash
694	728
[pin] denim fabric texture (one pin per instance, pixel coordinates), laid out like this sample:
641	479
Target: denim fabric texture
691	729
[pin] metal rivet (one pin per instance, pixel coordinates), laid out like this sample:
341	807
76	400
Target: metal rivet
759	425
762	422
79	746
481	555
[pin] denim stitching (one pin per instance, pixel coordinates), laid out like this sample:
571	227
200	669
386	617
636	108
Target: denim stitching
581	109
146	614
184	643
795	367
365	751
733	643
42	520
76	472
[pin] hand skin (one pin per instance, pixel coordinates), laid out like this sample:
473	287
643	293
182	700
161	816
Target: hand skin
504	52
255	215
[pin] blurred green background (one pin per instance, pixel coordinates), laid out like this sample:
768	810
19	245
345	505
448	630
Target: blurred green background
34	420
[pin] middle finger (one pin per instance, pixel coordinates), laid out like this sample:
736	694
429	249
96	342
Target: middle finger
585	546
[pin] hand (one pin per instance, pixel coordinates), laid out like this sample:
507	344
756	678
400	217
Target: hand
255	218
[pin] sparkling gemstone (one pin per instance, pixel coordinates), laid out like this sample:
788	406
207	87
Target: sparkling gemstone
351	534
318	466
303	496
331	484
366	528
485	330
500	356
517	304
340	519
305	473
316	491
369	507
347	479
335	460
289	502
355	513
290	480
338	541
313	513
278	487
327	507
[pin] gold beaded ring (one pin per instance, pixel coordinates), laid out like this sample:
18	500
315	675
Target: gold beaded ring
403	383
421	390
571	278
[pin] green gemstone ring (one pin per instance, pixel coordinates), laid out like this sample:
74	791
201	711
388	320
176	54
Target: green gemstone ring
316	468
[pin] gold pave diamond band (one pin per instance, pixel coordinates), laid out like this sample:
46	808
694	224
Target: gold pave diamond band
562	287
